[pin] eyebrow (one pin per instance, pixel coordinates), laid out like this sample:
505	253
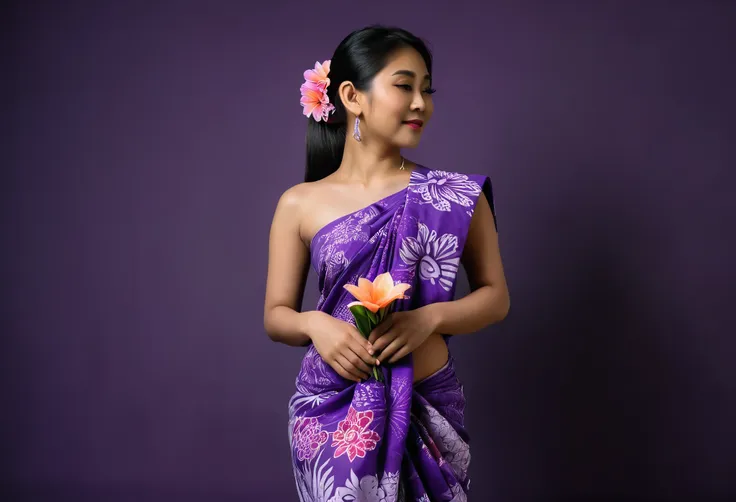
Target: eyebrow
408	73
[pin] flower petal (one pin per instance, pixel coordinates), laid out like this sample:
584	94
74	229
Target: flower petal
411	251
363	421
306	100
454	196
365	284
400	288
359	293
373	307
395	293
312	86
326	109
382	285
311	95
369	305
389	300
309	108
444	247
423	235
317	113
310	76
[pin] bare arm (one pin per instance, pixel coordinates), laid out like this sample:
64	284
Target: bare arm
488	303
288	266
337	342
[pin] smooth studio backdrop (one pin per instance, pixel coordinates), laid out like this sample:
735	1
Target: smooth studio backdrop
148	142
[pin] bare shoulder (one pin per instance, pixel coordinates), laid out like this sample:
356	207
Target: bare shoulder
293	198
296	204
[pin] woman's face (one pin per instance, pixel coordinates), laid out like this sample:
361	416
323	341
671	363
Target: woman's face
399	103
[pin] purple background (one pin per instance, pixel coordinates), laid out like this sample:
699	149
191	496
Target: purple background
148	145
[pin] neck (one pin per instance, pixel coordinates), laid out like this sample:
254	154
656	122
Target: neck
363	164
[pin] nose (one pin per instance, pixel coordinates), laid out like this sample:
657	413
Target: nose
417	103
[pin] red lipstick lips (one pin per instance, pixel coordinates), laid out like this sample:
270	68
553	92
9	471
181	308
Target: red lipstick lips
414	124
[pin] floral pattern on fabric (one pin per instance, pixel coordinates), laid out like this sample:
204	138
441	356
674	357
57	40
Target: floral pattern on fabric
383	441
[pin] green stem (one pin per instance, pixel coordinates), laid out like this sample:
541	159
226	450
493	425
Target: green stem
377	374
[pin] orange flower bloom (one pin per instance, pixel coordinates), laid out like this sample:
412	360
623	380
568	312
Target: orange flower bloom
377	294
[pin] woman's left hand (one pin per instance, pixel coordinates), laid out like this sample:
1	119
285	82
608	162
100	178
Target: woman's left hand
400	333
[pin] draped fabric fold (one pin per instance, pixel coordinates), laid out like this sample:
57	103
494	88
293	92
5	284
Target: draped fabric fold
394	440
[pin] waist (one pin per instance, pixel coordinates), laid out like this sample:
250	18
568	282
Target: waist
430	357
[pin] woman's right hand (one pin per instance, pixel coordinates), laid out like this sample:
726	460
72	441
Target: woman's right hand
341	346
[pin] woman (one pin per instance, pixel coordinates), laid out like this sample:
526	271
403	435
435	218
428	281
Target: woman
362	211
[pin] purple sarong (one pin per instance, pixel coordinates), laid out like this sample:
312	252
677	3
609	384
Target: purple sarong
394	440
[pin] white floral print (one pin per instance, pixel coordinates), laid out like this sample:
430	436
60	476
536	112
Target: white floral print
369	395
335	262
368	488
314	485
351	228
457	493
436	257
440	188
399	406
336	453
307	437
452	447
314	373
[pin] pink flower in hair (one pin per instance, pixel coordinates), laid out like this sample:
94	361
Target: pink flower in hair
314	92
319	74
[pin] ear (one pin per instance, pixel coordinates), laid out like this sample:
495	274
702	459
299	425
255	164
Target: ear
351	98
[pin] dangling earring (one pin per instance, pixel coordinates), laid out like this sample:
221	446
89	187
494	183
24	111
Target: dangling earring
356	131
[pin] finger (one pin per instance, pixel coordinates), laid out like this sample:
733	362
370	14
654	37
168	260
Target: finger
367	346
342	371
383	342
359	350
402	352
391	349
352	355
345	369
382	328
356	374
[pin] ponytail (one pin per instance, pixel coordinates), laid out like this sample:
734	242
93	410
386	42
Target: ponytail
325	146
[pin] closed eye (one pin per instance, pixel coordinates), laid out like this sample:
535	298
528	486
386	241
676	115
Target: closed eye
407	87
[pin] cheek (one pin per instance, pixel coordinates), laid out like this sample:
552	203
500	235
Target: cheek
398	106
390	112
428	109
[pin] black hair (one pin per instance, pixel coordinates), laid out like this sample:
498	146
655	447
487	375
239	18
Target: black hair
358	58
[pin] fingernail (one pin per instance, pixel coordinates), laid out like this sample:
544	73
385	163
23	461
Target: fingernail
370	351
378	362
